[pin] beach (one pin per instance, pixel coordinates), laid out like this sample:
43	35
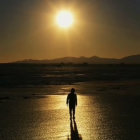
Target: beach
105	111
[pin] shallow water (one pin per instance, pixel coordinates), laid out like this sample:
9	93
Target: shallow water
98	117
32	108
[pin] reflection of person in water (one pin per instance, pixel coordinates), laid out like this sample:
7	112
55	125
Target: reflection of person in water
74	132
72	101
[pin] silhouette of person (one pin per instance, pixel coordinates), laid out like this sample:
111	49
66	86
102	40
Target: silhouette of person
72	101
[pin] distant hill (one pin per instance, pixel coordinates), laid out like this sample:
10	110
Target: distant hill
133	59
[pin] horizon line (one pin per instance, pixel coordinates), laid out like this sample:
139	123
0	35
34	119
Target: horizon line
25	59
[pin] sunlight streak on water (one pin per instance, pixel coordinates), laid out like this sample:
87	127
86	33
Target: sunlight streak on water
57	121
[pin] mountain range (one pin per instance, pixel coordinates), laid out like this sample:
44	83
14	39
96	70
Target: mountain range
133	59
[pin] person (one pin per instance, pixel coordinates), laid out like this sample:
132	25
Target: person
72	101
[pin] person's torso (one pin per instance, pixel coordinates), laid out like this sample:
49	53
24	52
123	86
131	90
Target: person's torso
72	99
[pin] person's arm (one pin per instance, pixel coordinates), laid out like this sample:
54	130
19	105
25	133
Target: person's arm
67	101
76	99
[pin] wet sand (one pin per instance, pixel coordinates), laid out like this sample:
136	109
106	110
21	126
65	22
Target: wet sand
109	113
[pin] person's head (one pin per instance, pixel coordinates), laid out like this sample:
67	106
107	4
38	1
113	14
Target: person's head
72	90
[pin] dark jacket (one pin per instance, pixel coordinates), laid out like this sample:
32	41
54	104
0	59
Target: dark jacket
72	99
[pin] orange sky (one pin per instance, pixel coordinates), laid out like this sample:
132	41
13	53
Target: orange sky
105	29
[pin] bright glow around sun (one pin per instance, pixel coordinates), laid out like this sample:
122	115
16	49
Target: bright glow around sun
64	19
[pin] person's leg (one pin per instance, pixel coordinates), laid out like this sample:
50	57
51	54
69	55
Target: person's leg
70	111
74	112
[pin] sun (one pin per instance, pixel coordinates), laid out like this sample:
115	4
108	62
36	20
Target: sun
64	19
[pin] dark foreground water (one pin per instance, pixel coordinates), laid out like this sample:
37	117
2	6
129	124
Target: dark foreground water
31	75
31	108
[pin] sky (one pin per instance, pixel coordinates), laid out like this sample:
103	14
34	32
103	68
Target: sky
104	28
